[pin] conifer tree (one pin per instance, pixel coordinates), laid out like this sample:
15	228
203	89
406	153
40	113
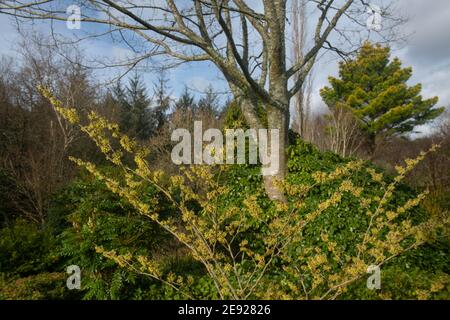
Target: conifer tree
209	103
186	101
120	98
375	89
162	101
142	122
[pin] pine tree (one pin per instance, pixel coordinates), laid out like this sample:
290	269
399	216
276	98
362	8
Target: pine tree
141	124
186	102
162	101
120	98
375	89
208	104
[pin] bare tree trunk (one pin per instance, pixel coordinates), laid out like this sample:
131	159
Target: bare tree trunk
191	34
278	119
302	98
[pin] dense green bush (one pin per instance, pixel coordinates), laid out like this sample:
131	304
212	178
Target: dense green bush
347	222
98	217
87	214
48	286
411	276
26	249
30	266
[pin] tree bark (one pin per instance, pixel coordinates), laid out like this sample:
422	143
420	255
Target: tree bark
278	119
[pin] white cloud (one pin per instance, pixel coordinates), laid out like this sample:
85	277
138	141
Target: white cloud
198	83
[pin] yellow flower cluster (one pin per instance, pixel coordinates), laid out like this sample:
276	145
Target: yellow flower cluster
217	235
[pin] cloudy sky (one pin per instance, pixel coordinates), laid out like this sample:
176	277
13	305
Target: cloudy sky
427	50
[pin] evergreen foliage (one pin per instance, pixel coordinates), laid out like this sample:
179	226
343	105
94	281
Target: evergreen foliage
375	88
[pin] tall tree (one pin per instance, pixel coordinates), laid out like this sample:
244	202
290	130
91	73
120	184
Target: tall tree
35	139
247	44
375	89
162	101
119	96
186	102
209	104
135	114
302	99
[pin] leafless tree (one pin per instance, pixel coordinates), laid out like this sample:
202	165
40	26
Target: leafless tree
36	141
302	99
244	39
344	135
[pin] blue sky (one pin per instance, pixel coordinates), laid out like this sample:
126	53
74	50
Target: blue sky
427	51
